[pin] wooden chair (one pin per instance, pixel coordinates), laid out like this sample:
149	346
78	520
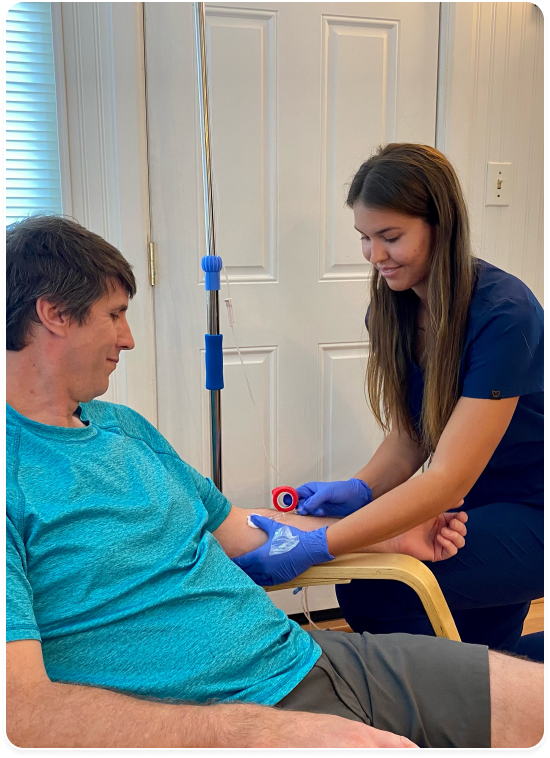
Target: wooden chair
402	568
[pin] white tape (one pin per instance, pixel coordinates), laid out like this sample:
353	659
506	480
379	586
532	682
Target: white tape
229	305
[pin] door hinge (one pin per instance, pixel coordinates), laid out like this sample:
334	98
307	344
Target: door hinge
152	267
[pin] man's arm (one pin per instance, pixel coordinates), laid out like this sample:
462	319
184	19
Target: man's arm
46	714
436	539
234	534
237	537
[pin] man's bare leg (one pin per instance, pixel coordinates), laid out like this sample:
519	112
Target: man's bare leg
517	701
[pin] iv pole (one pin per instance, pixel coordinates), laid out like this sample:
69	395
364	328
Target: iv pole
211	263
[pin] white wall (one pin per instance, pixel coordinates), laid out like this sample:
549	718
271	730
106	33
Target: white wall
491	109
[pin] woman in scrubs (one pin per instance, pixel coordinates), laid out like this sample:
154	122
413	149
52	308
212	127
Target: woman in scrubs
455	378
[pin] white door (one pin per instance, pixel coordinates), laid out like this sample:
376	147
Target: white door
300	94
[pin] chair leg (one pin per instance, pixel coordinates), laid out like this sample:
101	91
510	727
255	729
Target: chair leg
402	568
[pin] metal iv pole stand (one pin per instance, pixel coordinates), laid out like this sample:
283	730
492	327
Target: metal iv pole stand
211	263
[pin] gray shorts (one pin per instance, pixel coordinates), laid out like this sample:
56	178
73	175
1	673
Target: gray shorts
432	690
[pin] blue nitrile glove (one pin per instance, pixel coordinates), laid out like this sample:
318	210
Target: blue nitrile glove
336	499
287	553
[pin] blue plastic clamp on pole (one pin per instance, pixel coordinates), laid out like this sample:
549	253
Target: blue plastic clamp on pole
214	361
211	265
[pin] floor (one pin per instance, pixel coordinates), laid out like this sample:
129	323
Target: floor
533	623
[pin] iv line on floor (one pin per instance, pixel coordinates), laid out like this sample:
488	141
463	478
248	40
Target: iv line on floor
229	306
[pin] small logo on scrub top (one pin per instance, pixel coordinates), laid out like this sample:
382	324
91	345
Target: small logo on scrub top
495	394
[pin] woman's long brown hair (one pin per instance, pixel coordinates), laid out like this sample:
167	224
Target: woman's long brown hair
419	181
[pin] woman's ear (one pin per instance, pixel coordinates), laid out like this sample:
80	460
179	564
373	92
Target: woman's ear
52	317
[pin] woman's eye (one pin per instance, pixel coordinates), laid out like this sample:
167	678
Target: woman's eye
366	239
392	240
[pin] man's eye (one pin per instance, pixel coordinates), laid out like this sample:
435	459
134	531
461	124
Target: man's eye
114	315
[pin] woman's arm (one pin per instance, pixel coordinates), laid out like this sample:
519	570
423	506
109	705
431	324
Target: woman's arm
397	459
394	462
466	446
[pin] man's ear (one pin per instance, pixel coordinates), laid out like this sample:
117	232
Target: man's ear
52	317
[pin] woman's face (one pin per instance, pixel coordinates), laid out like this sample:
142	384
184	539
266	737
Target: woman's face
397	245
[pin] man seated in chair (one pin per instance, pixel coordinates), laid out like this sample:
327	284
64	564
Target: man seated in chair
129	625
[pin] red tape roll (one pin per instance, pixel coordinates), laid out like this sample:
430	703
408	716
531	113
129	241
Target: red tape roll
278	498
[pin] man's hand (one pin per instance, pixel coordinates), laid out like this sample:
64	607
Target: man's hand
434	540
293	729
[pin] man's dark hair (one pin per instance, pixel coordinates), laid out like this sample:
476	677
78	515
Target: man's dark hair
58	259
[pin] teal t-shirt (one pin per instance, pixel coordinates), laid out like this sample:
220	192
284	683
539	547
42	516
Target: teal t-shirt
112	564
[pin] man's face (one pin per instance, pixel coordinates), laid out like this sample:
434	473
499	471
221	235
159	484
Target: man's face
93	348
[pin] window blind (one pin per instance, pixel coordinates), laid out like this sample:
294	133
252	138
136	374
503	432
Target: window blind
33	175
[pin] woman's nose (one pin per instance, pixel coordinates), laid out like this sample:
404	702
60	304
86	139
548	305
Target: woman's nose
377	252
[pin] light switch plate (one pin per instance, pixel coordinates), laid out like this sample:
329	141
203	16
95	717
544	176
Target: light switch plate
498	185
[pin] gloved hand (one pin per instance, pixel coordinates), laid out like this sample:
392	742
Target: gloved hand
287	553
336	499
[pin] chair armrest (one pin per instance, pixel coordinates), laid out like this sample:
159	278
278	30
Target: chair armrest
395	566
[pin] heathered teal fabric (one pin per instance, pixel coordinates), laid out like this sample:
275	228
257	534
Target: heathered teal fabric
112	564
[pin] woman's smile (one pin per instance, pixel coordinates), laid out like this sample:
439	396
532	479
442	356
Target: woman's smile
388	271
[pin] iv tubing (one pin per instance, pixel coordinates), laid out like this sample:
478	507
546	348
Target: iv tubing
259	419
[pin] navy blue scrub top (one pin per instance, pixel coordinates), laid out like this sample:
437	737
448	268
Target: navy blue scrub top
503	357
